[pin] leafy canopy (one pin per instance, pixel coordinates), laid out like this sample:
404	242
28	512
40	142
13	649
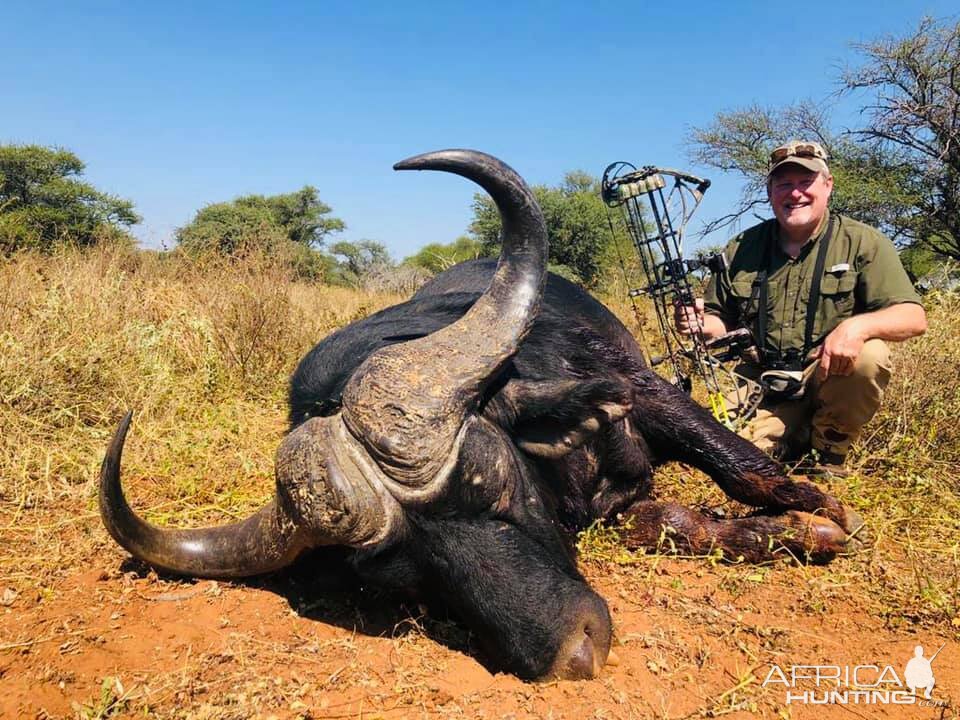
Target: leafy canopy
263	222
356	260
577	226
437	257
43	201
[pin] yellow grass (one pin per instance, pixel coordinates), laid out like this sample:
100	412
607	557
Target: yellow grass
202	353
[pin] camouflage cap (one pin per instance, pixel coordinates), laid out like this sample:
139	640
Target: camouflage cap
804	153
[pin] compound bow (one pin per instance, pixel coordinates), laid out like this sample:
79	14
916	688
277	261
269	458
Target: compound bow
660	248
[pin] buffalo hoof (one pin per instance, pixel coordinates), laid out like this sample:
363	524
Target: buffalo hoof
857	531
815	537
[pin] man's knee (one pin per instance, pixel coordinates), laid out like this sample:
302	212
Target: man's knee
873	363
844	404
864	386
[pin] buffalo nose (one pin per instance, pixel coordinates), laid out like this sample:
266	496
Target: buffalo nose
584	652
582	663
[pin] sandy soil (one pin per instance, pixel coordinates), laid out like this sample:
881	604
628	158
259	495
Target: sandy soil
694	640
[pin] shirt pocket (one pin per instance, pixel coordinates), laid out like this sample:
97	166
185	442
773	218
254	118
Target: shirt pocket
836	299
838	288
746	299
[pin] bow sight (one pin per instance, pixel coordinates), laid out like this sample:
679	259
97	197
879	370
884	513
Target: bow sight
660	247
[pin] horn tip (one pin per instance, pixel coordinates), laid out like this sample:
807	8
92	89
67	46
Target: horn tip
437	159
417	162
124	425
109	470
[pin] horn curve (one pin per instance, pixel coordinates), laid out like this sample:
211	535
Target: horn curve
266	541
407	402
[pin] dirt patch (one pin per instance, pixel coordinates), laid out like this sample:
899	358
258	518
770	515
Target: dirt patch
694	640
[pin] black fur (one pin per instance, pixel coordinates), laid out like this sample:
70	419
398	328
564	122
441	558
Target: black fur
568	433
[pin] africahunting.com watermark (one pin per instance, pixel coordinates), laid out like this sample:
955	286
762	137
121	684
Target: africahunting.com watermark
859	684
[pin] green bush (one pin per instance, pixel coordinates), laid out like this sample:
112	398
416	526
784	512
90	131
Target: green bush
43	202
264	222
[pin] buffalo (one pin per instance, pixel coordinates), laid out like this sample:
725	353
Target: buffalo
451	446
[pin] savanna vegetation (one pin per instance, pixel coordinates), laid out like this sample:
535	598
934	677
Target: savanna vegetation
44	202
199	342
202	350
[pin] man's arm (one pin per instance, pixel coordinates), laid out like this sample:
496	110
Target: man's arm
842	346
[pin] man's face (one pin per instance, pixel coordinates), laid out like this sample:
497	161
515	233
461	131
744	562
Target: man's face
799	197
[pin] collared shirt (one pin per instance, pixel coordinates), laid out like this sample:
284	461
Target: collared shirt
862	273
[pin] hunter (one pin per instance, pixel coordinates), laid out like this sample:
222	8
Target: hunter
822	294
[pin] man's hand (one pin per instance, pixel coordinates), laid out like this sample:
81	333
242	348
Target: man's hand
689	318
840	350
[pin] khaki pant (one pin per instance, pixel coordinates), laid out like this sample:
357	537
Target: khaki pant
829	416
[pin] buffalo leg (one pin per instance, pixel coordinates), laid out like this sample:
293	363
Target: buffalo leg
757	538
682	430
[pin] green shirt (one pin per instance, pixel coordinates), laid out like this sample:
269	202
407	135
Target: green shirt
862	273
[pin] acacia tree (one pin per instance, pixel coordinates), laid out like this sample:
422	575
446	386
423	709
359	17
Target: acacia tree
913	113
260	221
356	260
899	172
301	214
43	201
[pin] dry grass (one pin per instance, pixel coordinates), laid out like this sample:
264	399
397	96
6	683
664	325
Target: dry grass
203	353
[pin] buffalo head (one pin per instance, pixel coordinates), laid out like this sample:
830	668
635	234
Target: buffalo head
414	482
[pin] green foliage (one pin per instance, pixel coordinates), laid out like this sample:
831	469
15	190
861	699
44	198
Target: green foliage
356	260
306	263
920	261
267	223
110	702
44	203
300	214
437	257
577	225
229	228
900	171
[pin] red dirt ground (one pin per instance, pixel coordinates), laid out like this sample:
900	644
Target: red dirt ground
694	640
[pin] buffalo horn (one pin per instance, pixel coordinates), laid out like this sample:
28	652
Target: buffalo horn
407	402
267	540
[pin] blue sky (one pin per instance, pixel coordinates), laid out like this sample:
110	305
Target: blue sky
178	105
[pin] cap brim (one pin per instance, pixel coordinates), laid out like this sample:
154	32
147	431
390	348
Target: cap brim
814	164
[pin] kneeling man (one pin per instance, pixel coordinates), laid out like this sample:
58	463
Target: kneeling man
822	294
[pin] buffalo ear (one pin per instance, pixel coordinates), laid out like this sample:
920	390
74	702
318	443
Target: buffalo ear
551	418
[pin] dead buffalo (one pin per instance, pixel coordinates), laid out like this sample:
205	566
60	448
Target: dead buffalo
452	445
